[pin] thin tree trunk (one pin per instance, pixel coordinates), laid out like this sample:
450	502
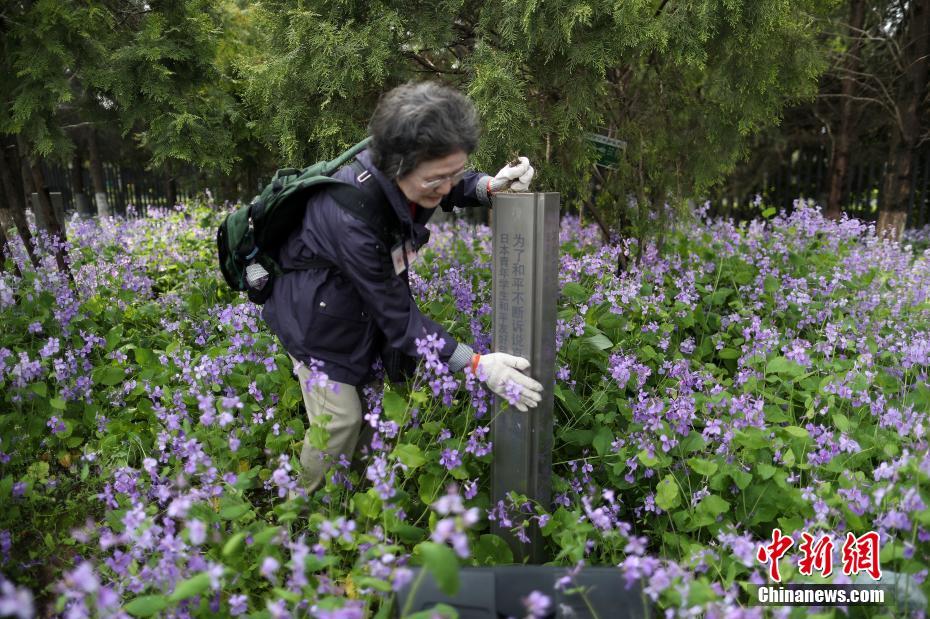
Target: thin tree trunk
17	209
96	175
43	202
4	252
44	205
6	224
171	191
81	203
844	137
900	175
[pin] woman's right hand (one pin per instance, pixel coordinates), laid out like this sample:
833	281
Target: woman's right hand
499	369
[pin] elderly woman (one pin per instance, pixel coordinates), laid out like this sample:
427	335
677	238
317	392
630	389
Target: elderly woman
345	317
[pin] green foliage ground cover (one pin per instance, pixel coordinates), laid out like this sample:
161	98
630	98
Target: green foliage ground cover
766	375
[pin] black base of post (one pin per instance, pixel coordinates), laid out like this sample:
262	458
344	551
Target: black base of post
494	592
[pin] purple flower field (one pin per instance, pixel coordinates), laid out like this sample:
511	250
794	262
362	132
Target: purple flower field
750	377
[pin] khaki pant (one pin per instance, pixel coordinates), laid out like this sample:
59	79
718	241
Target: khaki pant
344	406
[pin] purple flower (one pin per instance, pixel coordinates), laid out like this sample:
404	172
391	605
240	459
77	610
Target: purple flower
238	605
270	565
197	532
450	458
281	476
512	392
51	347
537	604
380	473
338	528
19	489
401	578
15	601
56	425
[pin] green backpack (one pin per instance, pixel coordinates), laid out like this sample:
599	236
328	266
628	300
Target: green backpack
249	237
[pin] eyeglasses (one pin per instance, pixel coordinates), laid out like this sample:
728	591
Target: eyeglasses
433	183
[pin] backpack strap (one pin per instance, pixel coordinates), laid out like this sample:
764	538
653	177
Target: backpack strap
367	202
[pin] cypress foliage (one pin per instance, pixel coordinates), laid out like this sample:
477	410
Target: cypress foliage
682	84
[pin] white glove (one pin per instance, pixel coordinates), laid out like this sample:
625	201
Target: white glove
501	368
514	177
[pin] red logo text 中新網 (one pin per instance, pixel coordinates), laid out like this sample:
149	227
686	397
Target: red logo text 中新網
858	554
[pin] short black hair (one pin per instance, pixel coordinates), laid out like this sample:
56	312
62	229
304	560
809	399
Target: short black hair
420	121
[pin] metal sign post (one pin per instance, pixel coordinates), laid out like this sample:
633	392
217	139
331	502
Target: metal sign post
525	289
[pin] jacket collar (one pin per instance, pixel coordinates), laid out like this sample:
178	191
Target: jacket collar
397	199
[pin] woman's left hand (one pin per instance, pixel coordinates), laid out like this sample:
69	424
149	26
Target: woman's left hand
514	176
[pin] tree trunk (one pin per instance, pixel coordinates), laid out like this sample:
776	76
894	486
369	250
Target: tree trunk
81	203
96	175
900	175
17	209
42	201
3	251
3	254
844	137
44	205
171	191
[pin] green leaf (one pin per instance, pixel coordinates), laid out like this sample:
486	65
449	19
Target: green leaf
782	365
713	505
751	438
796	431
769	212
603	440
718	297
410	455
599	341
284	594
646	459
394	406
234	511
442	611
372	583
57	403
765	471
234	544
143	356
492	550
741	478
265	535
146	606
728	353
367	504
113	337
109	375
195	585
429	488
575	292
702	466
841	422
770	284
667	495
442	564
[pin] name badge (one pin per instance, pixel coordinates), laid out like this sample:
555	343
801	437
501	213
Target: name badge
397	255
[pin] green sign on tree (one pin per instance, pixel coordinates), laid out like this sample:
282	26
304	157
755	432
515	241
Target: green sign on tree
608	150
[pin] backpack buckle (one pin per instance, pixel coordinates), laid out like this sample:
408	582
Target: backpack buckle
364	176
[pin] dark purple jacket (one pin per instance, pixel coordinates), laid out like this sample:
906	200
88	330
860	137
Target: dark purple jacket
342	316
